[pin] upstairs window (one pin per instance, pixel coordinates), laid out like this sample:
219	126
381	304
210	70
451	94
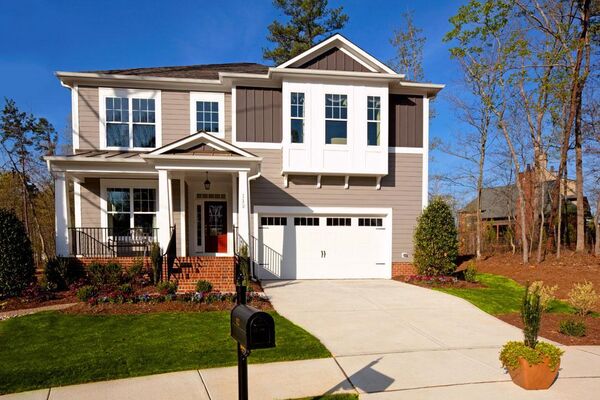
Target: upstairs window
207	116
373	120
130	118
336	119
297	117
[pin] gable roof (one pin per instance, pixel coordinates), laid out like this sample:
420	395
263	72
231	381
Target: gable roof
204	143
496	202
199	71
370	63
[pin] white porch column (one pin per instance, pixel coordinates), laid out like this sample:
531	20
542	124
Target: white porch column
182	230
164	207
61	219
243	207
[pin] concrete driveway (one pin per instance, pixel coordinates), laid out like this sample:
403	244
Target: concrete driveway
394	340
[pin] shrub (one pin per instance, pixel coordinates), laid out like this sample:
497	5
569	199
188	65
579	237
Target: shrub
546	293
582	298
167	287
105	274
125	288
471	272
136	270
435	240
203	286
17	270
85	293
531	315
570	327
62	272
511	351
156	259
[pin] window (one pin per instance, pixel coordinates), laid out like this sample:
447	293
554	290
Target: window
336	118
339	221
370	222
306	221
273	221
131	208
123	131
207	116
297	117
373	120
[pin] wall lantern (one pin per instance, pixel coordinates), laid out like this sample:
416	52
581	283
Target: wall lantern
207	183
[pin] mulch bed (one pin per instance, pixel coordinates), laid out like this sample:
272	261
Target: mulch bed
550	324
19	303
458	284
569	269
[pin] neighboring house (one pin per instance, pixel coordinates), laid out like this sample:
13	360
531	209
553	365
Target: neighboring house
319	164
500	213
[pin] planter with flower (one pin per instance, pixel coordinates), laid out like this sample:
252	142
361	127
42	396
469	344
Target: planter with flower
531	364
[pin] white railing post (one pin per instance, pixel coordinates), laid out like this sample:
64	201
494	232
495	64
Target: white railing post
61	208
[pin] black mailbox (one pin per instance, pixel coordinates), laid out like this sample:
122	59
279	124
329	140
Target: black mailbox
252	328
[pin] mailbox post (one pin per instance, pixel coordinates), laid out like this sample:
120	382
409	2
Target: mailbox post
252	329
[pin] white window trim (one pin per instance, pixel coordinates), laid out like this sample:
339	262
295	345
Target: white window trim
123	184
208	96
103	93
303	118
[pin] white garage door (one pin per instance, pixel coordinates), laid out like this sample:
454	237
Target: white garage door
323	247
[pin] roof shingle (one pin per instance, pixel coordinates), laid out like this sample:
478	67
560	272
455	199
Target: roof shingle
199	71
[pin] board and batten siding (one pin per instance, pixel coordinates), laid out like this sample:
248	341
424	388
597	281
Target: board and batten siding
335	60
405	121
400	190
258	115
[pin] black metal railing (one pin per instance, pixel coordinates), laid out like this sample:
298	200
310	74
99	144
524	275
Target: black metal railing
171	252
112	242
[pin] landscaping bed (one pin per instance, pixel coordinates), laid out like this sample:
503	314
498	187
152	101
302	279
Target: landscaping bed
549	328
438	281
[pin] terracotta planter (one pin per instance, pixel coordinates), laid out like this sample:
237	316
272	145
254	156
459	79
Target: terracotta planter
534	377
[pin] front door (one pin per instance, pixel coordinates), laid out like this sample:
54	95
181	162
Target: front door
215	227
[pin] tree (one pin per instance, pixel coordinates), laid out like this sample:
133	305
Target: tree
408	43
308	21
435	240
16	258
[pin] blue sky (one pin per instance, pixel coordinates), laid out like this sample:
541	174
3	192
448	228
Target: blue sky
41	37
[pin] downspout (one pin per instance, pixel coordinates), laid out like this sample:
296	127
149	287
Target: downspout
250	246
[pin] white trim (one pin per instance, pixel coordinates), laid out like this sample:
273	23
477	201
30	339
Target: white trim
234	115
322	210
208	138
324	45
258	145
406	150
104	92
62	214
217	97
358	60
75	116
425	173
77	202
182	212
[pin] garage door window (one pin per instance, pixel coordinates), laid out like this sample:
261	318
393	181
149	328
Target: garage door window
334	221
306	221
370	222
273	221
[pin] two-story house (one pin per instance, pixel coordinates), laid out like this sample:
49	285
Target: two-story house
318	164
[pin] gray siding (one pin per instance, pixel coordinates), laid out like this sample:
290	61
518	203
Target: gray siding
175	197
175	115
258	116
90	203
401	190
336	60
89	119
406	121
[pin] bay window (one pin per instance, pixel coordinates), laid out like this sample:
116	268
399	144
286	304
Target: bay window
373	120
297	117
336	119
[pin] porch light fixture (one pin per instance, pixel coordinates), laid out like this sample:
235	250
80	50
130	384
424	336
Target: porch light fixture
207	182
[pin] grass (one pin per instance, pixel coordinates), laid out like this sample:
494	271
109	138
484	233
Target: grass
51	349
501	295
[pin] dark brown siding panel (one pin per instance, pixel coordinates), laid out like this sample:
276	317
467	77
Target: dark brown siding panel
334	60
258	116
406	121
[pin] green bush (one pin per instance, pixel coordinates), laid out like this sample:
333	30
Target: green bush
156	259
511	351
61	272
85	293
105	274
136	270
471	272
167	287
125	288
570	327
435	240
531	315
203	286
17	269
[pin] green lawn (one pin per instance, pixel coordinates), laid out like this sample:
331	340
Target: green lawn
501	295
51	349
